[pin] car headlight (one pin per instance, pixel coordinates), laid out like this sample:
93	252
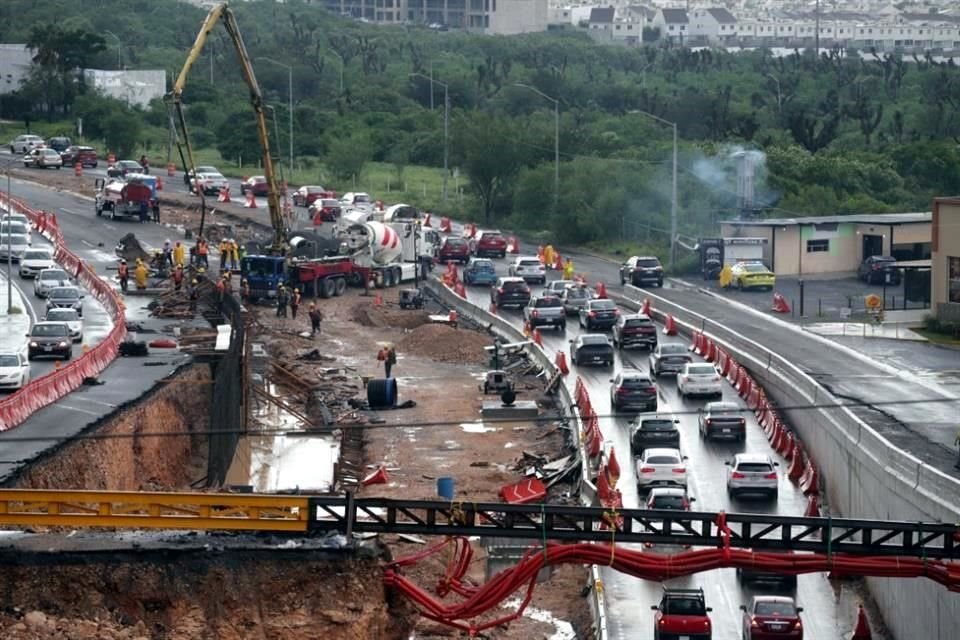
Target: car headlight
62	343
33	344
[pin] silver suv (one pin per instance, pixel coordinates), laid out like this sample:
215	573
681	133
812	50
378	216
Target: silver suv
545	310
752	473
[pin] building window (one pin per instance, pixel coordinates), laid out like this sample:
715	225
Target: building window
818	246
953	282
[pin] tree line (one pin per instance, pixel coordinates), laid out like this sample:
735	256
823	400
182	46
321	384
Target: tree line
841	133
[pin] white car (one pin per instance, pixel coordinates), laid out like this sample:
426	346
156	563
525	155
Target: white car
357	200
15	217
752	473
43	159
529	268
26	143
50	279
658	467
13	246
69	317
699	379
17	228
33	261
211	183
557	287
14	370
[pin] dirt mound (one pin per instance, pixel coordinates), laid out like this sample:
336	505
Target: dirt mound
444	343
367	314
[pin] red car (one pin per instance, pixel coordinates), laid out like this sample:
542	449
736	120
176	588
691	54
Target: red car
325	210
772	618
86	156
304	196
682	613
256	184
489	243
454	249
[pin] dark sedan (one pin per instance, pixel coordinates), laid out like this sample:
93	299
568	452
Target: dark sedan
122	168
722	420
879	270
49	339
655	431
632	390
600	314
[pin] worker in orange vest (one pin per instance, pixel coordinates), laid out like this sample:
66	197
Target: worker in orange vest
202	251
177	278
221	289
123	273
294	303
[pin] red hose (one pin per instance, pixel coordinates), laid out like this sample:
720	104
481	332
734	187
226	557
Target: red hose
480	600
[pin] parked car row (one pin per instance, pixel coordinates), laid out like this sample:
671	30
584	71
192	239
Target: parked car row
56	152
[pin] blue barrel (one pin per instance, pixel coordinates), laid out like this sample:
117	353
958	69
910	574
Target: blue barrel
445	488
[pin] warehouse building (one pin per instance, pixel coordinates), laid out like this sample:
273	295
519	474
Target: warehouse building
836	244
945	262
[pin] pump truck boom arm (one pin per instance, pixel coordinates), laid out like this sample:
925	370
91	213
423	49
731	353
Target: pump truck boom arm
221	12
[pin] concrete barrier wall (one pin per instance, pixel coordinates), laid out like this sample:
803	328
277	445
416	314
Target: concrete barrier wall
588	491
866	476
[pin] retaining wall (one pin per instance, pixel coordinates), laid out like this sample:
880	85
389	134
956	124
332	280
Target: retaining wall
866	476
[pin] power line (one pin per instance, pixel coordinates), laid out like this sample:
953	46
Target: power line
561	417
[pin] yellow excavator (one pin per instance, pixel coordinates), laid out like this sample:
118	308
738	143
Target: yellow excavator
221	12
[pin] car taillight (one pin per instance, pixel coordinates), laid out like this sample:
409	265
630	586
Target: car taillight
500	290
651	389
685	503
592	314
679	470
621	391
742	422
536	314
685	378
875	267
647	470
616	312
771	476
737	475
797	624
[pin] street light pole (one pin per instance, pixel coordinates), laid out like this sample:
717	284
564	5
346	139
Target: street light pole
431	85
673	196
289	105
556	140
446	125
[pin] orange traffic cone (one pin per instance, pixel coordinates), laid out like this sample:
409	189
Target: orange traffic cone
377	477
460	290
452	317
613	468
445	225
780	304
561	362
813	508
513	245
224	195
645	309
378	300
426	220
558	262
526	329
540	253
251	200
171	170
159	183
537	338
670	326
601	290
77	169
862	630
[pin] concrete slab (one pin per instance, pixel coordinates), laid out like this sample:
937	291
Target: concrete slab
521	409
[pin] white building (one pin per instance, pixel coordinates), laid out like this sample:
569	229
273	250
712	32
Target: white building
714	26
673	24
137	88
15	61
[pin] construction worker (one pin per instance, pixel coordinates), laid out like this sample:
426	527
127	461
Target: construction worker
294	303
194	295
178	254
282	300
168	253
224	248
177	278
234	255
221	288
315	318
568	269
123	274
155	205
388	356
245	290
203	250
548	255
140	274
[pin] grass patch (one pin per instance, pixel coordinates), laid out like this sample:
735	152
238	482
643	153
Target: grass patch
939	338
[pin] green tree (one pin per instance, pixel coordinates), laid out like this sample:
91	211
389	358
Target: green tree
121	133
347	155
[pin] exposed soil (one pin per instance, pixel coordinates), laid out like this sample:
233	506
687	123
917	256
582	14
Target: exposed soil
445	344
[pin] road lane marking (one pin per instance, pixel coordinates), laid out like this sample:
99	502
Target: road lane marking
76	213
89	244
109	226
70	408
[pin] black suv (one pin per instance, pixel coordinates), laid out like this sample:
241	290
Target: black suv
640	270
636	330
879	270
601	313
655	431
633	390
510	292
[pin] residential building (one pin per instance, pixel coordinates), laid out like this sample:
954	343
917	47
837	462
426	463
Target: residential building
15	61
136	87
502	17
831	244
945	261
673	25
712	26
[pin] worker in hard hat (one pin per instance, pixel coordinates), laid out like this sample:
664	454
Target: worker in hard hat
177	278
315	318
548	256
234	255
123	273
294	303
140	274
224	248
194	295
179	254
283	297
568	269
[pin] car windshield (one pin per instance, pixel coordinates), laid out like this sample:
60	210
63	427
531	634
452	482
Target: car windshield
548	302
36	254
361	198
638	322
49	330
455	242
129	164
603	305
701	369
672	348
648	262
529	263
594	340
258	179
513	284
207	169
657	425
482	265
755	467
329	203
756	268
14	238
635	382
490	236
9	361
14	226
65	293
685	607
663	459
768	608
62	315
725	409
578	292
53	275
215	176
668	502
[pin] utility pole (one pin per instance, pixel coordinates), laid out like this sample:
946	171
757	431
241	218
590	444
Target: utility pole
446	125
816	35
9	244
289	106
556	140
431	85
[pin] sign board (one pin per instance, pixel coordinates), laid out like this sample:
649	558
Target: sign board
745	241
845	312
872	302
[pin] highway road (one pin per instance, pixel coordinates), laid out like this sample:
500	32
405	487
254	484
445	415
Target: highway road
829	610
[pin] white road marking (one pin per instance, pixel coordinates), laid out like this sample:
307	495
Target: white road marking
89	244
88	412
76	213
109	226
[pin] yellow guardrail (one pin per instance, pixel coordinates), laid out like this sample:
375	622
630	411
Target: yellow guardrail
144	510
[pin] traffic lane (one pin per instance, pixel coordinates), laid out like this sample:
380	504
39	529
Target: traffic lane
706	482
